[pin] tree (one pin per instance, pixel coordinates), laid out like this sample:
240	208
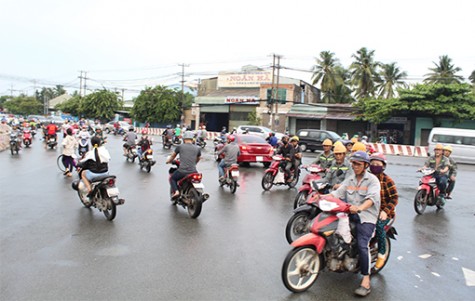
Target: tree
444	72
472	77
101	104
71	106
324	73
23	105
391	78
364	75
253	118
158	104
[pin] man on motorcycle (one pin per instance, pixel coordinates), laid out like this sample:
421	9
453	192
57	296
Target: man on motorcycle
231	153
389	200
177	131
287	151
190	154
144	143
339	169
129	139
362	191
95	163
202	135
326	158
167	134
441	165
272	140
452	171
51	130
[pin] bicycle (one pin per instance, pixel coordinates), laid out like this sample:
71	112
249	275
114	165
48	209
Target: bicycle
59	162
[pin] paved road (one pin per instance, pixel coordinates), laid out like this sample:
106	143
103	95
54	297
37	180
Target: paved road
52	248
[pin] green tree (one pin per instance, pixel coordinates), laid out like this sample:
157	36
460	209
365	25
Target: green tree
364	74
324	73
253	118
158	104
472	77
101	104
23	105
71	106
444	72
391	78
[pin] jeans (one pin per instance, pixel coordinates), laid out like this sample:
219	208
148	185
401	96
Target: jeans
176	176
381	235
221	166
364	232
441	182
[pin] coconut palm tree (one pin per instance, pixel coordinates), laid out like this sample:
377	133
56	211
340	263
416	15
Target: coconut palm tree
472	77
391	78
444	72
324	73
364	74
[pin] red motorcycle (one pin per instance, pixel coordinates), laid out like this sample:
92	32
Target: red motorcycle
231	177
191	190
306	189
27	137
325	248
276	175
428	194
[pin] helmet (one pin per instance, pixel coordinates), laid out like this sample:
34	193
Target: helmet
169	126
177	125
364	138
98	128
188	135
294	138
346	142
380	157
360	156
131	128
285	137
354	140
358	146
231	138
338	147
448	148
327	142
438	146
144	132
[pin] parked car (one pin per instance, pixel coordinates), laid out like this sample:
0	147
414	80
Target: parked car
254	149
256	130
312	139
109	127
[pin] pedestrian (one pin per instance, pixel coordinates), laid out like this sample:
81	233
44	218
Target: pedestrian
70	144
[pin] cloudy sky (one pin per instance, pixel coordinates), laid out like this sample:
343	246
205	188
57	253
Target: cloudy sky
131	44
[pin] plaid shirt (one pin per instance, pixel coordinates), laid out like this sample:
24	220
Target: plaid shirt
389	197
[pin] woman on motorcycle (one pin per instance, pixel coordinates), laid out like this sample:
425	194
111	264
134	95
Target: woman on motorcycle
389	200
70	144
95	163
144	143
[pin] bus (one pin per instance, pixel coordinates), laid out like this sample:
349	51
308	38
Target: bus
462	142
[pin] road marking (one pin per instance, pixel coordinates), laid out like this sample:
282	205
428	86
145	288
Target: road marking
469	277
400	258
435	274
425	256
455	258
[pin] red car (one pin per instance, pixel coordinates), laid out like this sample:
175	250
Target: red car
254	149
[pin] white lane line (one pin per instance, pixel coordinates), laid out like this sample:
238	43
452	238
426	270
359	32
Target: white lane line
435	274
469	277
400	258
455	258
425	256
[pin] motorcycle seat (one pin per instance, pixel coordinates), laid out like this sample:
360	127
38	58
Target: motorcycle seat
101	178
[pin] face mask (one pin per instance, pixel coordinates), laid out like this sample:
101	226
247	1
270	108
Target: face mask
376	169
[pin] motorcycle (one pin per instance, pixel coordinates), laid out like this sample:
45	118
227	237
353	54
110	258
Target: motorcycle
306	188
167	142
131	153
276	175
120	131
192	195
14	143
219	143
231	177
200	142
428	194
299	222
51	141
325	248
27	137
146	161
104	195
176	139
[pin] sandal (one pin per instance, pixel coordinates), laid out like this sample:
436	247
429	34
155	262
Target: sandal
362	291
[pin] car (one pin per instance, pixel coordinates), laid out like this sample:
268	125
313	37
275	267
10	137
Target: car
254	149
109	127
261	131
58	120
311	139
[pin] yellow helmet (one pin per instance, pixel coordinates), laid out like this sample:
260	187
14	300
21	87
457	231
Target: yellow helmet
294	138
358	146
327	142
448	148
338	147
439	146
354	140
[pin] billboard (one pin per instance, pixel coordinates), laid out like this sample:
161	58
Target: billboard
244	79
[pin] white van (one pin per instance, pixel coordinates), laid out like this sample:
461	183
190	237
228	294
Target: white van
462	142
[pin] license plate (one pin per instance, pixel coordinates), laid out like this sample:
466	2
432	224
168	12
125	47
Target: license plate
259	158
199	185
235	173
113	191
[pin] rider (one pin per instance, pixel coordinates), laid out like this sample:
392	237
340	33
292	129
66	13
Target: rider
190	154
144	143
389	200
231	153
358	146
326	158
177	132
100	134
51	130
272	140
441	165
362	191
95	163
203	134
69	144
452	170
286	150
129	139
339	169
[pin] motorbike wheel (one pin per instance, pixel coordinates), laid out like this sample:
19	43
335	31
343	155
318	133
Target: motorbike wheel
216	157
148	168
420	201
195	204
374	255
267	164
301	269
267	181
295	181
111	212
300	199
297	226
12	150
84	199
233	186
60	164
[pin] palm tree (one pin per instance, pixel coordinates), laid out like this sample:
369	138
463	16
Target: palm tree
472	77
324	73
444	72
391	78
364	75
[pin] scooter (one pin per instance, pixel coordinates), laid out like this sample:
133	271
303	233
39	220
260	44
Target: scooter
131	153
276	175
167	142
192	195
325	249
200	142
14	143
146	161
305	189
176	139
428	194
83	146
27	137
231	177
51	141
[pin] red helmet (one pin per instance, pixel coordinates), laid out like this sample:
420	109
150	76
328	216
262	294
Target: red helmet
231	138
144	132
378	156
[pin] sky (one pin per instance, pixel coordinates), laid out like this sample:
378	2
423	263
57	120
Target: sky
132	44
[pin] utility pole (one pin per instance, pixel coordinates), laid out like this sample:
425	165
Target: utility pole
274	91
183	65
275	122
85	78
271	116
80	84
